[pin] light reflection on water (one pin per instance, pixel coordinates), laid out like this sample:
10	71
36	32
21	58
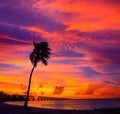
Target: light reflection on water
72	104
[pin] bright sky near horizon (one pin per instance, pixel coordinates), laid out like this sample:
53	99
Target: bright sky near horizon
84	36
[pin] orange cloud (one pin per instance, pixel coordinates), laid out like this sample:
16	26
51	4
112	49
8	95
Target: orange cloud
84	38
58	90
82	15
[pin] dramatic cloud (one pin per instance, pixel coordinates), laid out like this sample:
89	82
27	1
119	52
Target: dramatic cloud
21	15
85	40
18	34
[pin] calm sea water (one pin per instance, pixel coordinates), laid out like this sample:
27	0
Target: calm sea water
72	104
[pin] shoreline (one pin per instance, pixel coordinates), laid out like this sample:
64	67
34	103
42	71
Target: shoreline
15	109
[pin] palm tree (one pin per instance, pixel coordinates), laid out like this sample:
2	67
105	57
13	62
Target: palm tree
41	52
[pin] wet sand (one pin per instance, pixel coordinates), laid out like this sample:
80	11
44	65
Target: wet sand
11	109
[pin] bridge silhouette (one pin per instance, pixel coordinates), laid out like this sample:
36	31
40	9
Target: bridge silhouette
44	98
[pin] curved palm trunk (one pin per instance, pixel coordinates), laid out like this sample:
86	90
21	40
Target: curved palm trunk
27	96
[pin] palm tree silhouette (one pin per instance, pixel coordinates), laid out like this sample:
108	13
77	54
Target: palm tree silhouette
41	52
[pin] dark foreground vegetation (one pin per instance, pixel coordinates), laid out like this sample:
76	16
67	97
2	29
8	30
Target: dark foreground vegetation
7	97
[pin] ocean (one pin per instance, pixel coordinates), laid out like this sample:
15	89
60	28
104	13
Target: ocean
86	104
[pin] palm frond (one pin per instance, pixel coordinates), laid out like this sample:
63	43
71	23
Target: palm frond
31	57
44	61
41	53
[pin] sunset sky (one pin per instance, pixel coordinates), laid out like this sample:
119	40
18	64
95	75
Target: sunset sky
84	36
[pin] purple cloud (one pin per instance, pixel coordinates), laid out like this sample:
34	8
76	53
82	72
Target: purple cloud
111	54
69	53
113	82
9	66
24	16
8	41
20	34
112	1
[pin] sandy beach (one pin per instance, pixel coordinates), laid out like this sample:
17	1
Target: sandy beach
11	109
